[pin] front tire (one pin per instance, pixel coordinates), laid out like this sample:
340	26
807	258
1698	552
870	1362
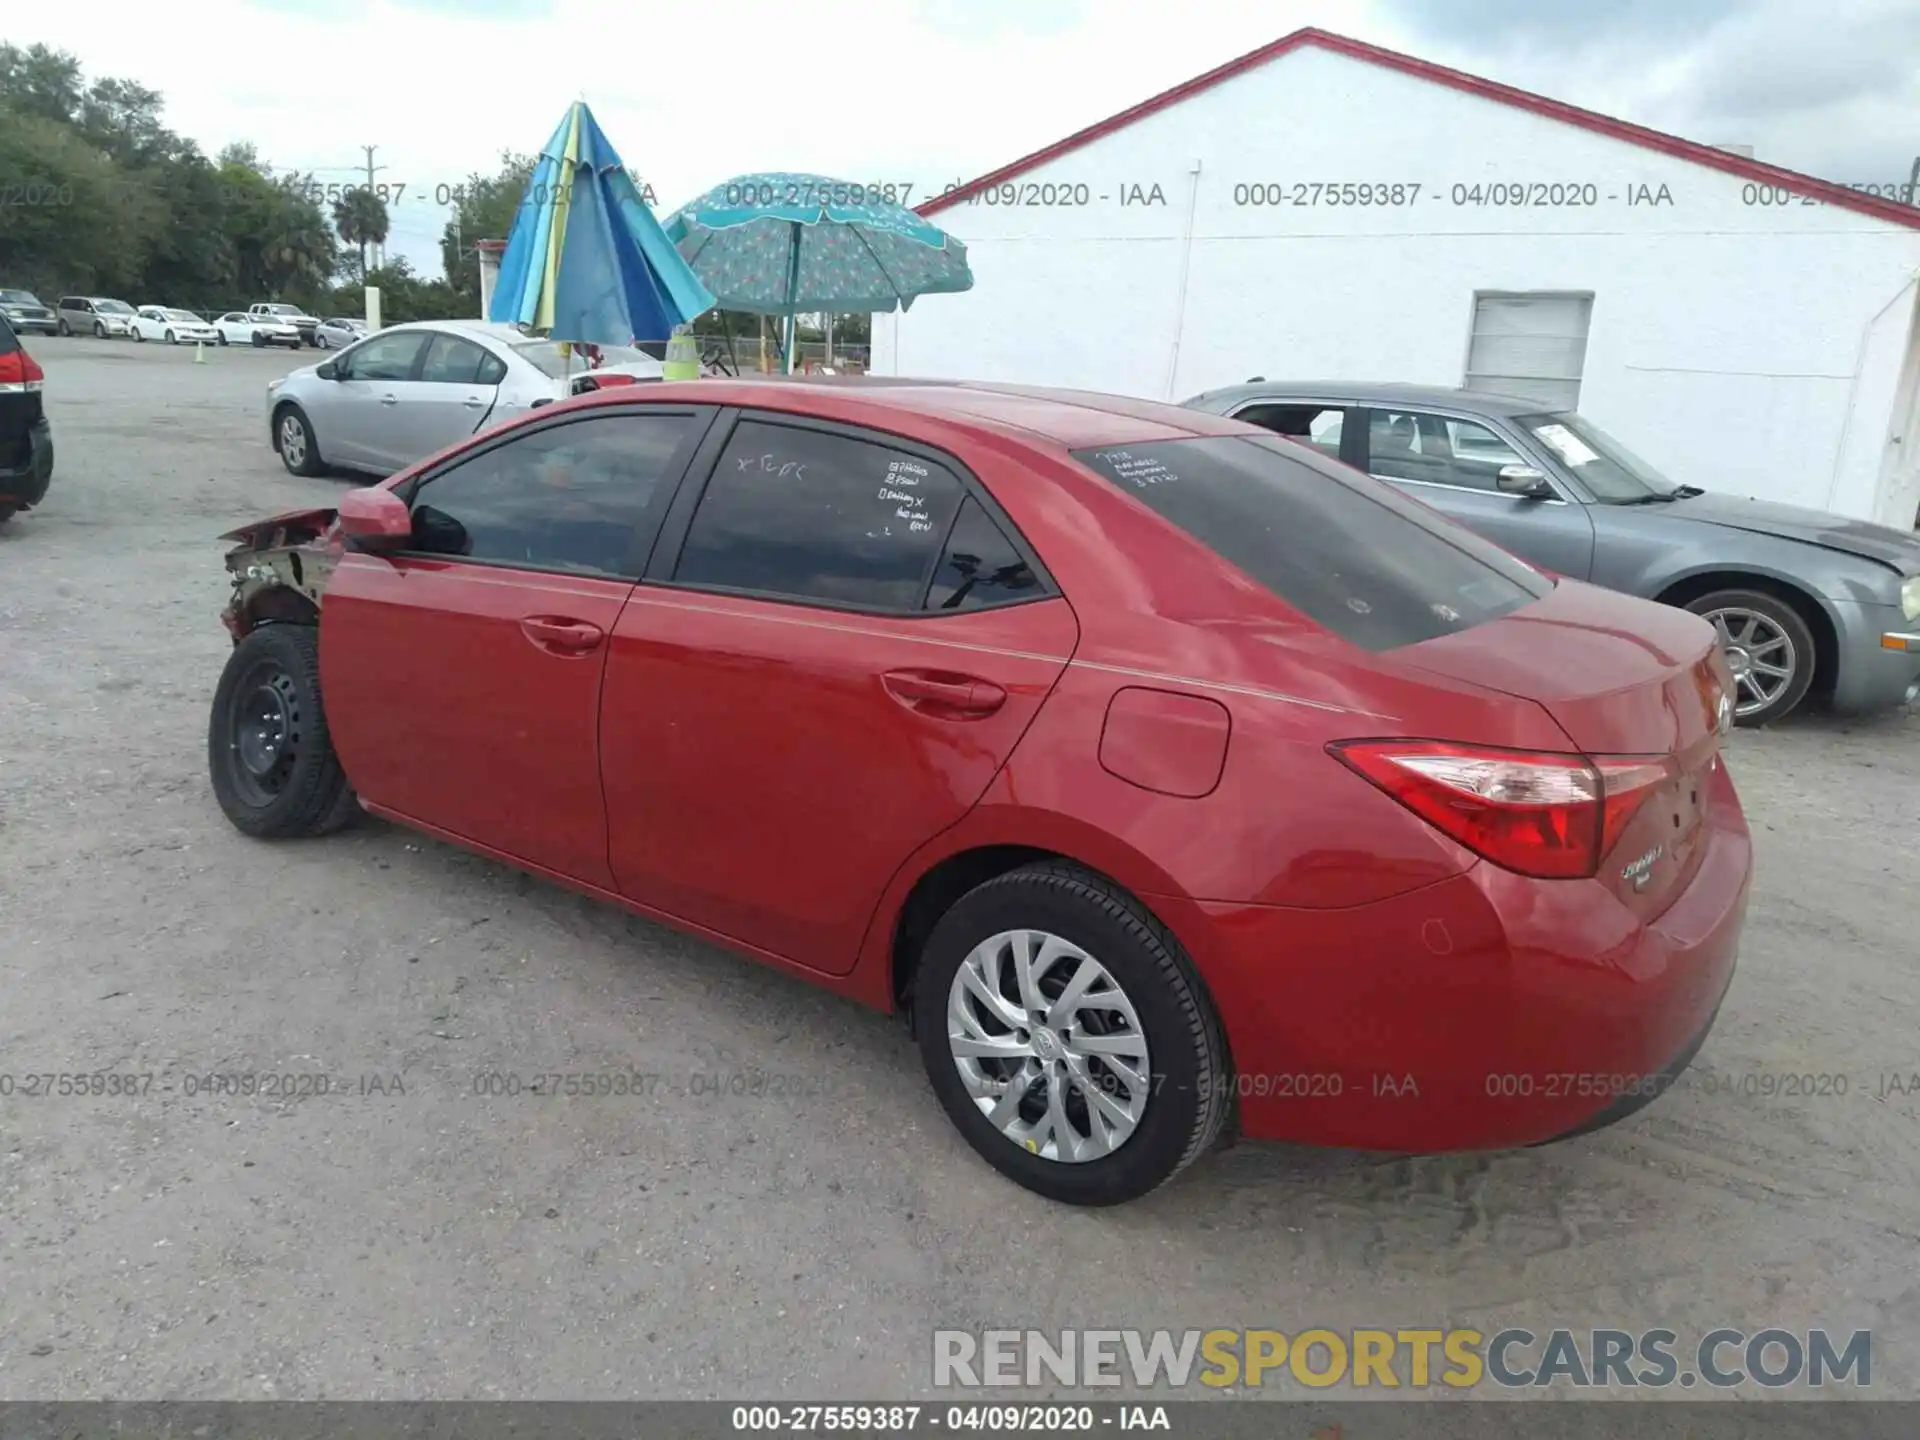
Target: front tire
1769	647
170	338
1068	1037
223	337
269	753
99	331
293	438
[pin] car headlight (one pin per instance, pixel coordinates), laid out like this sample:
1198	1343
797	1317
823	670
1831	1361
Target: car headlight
1910	597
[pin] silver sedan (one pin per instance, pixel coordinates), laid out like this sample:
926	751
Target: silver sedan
399	395
337	332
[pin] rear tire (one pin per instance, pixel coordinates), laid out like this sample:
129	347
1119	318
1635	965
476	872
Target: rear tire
65	333
223	337
1164	1084
1761	634
269	752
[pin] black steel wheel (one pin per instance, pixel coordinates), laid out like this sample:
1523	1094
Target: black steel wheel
269	752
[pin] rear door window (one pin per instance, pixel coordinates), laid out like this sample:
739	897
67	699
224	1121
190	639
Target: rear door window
809	515
1374	568
453	361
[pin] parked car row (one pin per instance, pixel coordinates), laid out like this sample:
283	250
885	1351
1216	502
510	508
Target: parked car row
103	317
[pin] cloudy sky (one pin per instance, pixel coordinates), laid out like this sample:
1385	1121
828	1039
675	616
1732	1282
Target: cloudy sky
928	92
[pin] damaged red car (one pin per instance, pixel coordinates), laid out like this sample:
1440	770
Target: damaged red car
1176	783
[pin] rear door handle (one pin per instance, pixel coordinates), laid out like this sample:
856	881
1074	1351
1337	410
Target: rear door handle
389	399
937	692
561	635
473	402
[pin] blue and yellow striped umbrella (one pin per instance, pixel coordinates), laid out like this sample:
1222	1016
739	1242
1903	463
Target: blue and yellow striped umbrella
586	260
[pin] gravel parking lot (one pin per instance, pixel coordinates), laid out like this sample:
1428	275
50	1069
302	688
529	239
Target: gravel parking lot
430	1241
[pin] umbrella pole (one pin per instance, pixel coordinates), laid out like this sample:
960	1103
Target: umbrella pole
793	300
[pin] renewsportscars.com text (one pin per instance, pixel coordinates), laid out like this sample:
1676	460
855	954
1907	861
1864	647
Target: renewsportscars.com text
1396	1359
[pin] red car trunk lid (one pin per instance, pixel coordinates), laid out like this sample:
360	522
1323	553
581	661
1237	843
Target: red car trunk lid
1621	677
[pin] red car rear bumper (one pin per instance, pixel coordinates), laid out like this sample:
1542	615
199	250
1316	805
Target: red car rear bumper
1487	1011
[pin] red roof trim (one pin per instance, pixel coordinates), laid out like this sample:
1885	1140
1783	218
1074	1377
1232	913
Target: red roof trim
1876	206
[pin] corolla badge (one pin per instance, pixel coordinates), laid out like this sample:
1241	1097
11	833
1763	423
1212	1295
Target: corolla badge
1640	871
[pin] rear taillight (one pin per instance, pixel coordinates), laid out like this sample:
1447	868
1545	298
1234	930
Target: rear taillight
18	373
1538	813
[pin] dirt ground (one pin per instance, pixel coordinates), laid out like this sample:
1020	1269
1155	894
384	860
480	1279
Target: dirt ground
435	1242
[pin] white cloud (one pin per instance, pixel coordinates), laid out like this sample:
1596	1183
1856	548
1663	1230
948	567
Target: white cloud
863	90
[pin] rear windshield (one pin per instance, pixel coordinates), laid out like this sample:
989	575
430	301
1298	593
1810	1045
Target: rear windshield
1376	569
7	343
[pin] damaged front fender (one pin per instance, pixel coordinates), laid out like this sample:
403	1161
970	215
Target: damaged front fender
280	567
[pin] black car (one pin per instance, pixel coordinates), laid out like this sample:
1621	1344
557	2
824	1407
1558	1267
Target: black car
26	440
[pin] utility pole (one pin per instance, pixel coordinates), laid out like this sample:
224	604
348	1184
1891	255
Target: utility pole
379	258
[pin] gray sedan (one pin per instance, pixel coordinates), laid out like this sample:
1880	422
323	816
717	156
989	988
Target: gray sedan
1805	601
399	395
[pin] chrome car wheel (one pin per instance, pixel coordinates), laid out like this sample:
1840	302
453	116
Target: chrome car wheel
1048	1046
1760	653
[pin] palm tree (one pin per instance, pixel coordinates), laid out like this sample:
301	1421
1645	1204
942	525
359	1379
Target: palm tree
360	216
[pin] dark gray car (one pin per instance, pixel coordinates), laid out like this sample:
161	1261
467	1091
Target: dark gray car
1805	601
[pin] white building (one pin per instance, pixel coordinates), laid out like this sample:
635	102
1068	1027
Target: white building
1324	210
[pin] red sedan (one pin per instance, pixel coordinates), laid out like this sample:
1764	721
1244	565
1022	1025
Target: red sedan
1174	781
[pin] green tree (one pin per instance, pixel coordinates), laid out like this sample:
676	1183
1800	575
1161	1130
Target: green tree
360	215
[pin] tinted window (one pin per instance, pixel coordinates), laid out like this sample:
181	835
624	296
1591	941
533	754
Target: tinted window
1410	445
452	361
819	517
979	566
390	357
579	496
1369	565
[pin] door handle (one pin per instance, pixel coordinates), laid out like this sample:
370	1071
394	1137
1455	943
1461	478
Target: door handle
473	402
389	399
941	692
562	636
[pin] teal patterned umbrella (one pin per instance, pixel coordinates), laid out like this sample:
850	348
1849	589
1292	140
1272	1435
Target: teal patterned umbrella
784	244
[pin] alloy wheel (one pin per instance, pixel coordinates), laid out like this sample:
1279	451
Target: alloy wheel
1761	655
1048	1046
293	441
